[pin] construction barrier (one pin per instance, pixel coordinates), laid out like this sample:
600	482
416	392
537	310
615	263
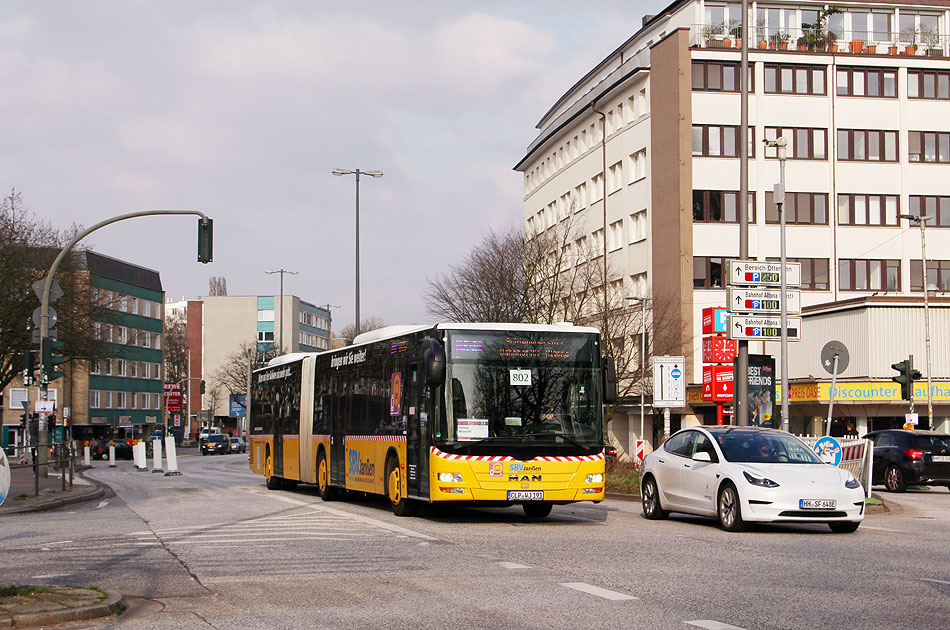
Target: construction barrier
856	457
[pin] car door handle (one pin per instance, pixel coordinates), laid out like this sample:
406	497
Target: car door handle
662	461
685	465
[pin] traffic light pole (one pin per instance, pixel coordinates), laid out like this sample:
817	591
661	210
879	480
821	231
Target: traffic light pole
48	283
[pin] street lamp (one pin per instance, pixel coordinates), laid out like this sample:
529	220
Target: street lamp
922	222
327	307
280	317
643	351
780	145
375	174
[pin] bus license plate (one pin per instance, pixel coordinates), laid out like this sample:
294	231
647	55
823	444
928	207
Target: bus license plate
817	504
525	495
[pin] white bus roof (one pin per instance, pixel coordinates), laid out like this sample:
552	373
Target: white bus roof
389	332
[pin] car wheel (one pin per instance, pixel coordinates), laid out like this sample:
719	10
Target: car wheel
650	497
395	490
729	509
894	479
327	492
844	527
536	510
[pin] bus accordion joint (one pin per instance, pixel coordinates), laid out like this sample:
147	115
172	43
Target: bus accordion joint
433	357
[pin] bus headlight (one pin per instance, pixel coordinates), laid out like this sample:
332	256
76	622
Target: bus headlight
451	477
595	478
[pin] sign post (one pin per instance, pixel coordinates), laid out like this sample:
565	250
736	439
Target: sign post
669	386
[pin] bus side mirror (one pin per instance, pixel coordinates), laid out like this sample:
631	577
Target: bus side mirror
433	359
610	380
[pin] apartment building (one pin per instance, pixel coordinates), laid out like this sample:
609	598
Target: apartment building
641	157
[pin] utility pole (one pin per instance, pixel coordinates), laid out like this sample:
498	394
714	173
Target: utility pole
280	305
741	386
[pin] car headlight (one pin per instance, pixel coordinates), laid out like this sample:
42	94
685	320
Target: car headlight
852	483
595	478
451	477
762	482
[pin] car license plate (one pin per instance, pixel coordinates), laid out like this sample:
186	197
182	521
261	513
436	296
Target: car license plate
941	458
525	495
817	504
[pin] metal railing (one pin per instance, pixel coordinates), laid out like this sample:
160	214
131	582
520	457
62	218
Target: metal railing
929	43
62	457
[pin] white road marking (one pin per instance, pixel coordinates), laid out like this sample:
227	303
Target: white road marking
882	529
937	581
51	575
709	624
355	517
513	565
596	590
102	504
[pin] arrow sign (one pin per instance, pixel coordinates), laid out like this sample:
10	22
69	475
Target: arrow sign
763	328
767	274
764	300
670	383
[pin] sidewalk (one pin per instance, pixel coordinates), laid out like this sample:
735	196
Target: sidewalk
26	606
51	496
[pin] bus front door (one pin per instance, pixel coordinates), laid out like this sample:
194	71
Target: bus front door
417	448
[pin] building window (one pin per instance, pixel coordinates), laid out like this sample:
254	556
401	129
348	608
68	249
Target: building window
794	79
94	367
120	367
709	272
879	82
133	369
265	335
859	274
719	206
638	226
615	235
107	366
928	146
815	276
122	334
868	145
719	141
93	399
800	208
867	210
120	400
265	315
638	165
938	275
804	143
615	177
928	84
718	76
597	243
933	206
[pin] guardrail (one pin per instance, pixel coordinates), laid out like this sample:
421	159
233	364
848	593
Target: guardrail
61	457
857	455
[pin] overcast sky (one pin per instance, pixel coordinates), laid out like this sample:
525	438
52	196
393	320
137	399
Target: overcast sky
241	109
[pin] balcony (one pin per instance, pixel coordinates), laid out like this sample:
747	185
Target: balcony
929	44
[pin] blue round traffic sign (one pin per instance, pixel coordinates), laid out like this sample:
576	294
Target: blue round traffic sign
828	450
675	372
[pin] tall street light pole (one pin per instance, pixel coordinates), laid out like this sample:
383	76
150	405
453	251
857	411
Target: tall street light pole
339	172
922	222
780	144
280	317
643	352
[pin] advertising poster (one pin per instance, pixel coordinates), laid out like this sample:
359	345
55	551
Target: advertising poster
762	391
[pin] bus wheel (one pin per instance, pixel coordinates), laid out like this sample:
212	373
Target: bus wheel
273	483
395	490
327	492
536	510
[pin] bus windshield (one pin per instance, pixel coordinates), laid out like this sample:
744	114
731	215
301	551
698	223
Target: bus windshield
523	386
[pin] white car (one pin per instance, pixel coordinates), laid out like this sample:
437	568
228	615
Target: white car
748	474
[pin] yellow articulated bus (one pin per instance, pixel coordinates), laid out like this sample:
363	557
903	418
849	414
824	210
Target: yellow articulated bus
485	414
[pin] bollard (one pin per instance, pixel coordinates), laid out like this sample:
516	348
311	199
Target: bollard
157	454
86	456
171	456
140	457
112	456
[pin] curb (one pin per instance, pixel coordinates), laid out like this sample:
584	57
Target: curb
619	496
54	503
112	605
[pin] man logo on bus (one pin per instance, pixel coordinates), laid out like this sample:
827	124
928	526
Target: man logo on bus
495	469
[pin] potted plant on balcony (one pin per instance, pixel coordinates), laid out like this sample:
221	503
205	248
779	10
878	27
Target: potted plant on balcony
733	34
712	35
816	36
931	39
910	35
760	33
781	39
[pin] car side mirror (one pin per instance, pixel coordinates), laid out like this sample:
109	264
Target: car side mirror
702	456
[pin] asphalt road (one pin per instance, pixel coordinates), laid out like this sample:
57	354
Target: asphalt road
214	548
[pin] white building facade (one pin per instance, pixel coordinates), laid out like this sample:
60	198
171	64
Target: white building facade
653	133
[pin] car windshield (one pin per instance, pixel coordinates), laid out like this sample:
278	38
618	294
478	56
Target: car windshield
523	386
932	442
765	448
217	438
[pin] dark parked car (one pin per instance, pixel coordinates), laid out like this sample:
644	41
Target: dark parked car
100	449
216	443
910	458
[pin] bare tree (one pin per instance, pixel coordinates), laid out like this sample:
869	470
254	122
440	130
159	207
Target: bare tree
175	349
366	325
232	376
217	285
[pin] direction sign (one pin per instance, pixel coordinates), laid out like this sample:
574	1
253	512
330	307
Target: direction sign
55	291
763	327
764	300
751	273
669	388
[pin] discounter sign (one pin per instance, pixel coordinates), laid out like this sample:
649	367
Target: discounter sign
864	392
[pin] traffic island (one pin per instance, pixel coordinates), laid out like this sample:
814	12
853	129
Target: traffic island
31	606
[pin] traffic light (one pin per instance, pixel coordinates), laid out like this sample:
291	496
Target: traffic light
205	240
906	377
202	388
47	346
29	367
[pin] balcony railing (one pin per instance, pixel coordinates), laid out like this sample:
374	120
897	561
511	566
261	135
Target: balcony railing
729	36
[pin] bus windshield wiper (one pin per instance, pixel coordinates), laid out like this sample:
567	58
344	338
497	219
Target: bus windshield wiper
559	434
